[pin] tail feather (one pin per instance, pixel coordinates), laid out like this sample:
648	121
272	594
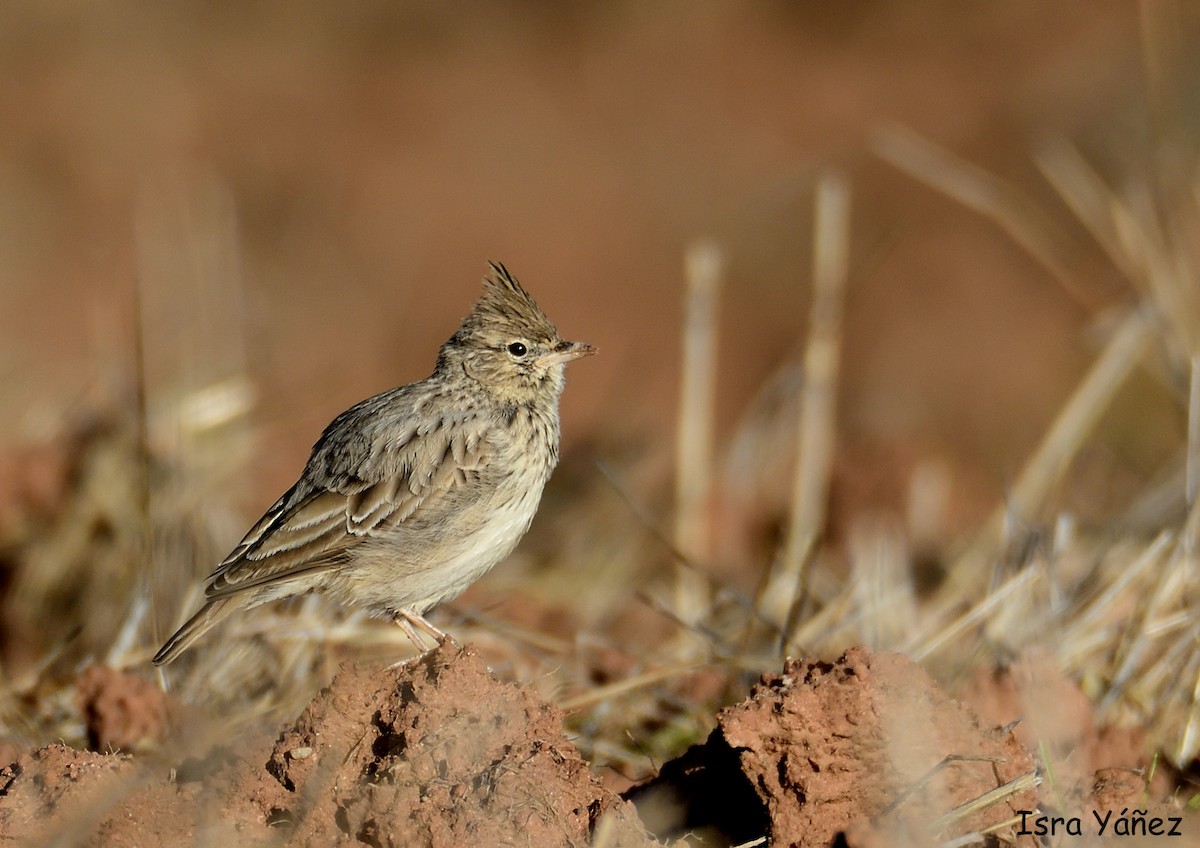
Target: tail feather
193	629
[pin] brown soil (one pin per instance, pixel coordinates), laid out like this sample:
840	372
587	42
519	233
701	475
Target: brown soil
120	710
869	750
440	753
1055	716
434	753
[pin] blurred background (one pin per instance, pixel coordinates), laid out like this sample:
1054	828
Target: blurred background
253	215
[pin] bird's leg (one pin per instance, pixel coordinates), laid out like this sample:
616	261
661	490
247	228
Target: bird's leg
406	619
403	621
412	635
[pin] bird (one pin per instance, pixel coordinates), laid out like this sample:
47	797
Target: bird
411	495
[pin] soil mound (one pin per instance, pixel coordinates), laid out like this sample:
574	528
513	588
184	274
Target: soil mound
864	751
436	753
440	754
868	750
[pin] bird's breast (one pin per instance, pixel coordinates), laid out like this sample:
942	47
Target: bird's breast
529	445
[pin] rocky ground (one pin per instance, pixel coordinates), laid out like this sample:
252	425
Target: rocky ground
863	750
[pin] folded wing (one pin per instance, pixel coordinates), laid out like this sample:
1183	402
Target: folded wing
352	489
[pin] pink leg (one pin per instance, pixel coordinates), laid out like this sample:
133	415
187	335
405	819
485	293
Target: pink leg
406	619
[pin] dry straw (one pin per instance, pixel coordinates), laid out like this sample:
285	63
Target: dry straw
1114	607
694	440
817	427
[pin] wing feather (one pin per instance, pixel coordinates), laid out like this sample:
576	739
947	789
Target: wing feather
350	490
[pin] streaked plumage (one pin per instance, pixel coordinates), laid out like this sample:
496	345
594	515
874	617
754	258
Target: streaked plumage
411	495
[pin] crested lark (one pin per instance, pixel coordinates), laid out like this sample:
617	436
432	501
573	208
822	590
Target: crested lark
411	495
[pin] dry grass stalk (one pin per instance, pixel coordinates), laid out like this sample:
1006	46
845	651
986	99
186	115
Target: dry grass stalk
1126	627
1192	478
817	425
981	191
882	584
1016	786
1053	456
628	684
697	412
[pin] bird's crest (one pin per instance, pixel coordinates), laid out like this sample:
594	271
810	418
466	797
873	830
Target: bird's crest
506	309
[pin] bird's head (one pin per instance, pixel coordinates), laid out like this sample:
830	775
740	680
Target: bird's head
508	346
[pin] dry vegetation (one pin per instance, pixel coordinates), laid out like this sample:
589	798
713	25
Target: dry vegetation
108	523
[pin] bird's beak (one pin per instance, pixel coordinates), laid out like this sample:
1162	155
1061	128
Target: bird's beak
565	352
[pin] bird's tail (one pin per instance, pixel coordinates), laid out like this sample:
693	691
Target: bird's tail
193	629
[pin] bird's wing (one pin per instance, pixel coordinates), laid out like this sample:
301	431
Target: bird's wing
352	488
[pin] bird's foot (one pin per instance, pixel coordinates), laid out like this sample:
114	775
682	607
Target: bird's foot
409	621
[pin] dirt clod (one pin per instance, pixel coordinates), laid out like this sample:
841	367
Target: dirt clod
56	790
121	710
869	751
437	753
850	747
866	750
434	753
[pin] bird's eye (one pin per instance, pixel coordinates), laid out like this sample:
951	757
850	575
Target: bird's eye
517	349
